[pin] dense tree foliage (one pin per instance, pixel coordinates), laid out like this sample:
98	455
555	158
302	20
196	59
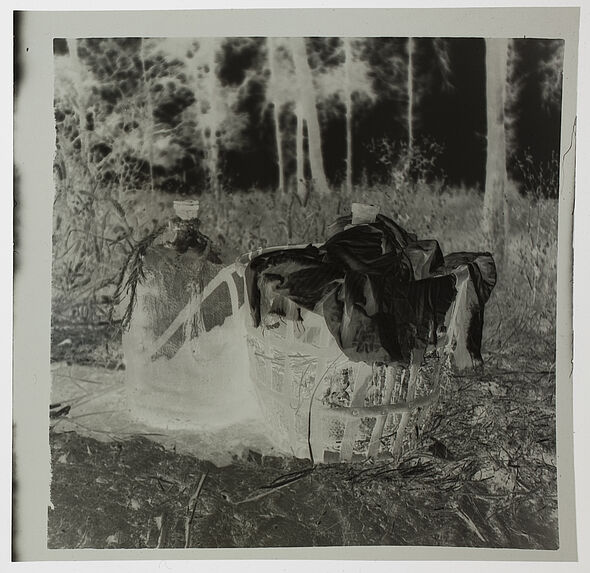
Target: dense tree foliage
189	116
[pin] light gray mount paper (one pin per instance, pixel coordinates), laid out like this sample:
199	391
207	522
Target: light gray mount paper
34	151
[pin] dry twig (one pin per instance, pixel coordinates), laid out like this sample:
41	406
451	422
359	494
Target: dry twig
192	504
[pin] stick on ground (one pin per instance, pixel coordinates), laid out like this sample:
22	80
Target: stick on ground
192	504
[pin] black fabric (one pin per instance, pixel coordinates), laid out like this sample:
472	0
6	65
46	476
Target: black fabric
482	273
381	291
481	268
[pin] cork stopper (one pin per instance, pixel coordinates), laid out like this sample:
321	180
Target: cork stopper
186	210
182	225
363	213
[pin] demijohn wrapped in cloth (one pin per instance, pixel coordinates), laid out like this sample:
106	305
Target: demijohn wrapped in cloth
183	340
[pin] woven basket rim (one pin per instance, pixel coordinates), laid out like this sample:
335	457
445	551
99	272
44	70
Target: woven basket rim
243	259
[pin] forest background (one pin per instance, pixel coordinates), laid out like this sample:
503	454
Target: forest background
261	129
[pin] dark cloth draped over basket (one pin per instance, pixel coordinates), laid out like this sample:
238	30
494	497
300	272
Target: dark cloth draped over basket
381	291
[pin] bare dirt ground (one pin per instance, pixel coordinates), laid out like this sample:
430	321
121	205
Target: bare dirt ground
483	475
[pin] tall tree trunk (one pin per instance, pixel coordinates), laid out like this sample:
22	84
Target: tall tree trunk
310	114
300	173
81	101
410	88
495	210
276	111
348	103
148	133
213	119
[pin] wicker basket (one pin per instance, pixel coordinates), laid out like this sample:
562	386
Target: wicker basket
316	403
320	405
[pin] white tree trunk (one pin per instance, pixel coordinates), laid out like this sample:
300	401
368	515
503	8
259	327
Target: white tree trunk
348	103
213	119
148	132
300	173
310	114
276	109
410	88
80	101
495	210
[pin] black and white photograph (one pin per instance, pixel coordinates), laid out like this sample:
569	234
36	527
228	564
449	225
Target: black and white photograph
304	290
